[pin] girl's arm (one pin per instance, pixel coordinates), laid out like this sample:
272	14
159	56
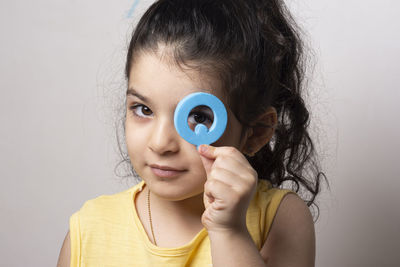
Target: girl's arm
291	241
65	253
230	186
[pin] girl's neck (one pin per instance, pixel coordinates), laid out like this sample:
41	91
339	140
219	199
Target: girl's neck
174	223
188	208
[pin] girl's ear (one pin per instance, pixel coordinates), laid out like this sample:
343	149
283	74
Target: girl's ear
262	131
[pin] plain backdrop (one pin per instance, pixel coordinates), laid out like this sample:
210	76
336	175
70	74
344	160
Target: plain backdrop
61	77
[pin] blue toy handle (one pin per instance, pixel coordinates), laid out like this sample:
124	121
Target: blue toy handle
201	135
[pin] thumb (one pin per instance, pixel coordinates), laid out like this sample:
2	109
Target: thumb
205	155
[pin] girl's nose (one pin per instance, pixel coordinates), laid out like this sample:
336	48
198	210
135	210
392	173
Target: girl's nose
164	137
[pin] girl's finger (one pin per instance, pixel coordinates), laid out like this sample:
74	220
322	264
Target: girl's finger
212	152
229	178
239	169
219	192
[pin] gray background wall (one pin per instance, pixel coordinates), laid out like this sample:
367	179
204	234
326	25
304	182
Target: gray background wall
60	79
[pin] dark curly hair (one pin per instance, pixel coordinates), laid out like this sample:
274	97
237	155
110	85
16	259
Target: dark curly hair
254	49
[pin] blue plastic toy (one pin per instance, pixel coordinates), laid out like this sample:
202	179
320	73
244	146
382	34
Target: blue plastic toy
201	134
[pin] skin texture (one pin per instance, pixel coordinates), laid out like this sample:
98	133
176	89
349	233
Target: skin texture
215	186
65	253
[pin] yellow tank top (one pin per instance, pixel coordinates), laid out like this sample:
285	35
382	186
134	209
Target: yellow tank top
107	231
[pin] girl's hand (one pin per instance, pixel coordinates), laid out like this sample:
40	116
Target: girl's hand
230	186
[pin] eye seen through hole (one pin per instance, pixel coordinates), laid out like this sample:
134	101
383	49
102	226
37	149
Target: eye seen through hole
200	115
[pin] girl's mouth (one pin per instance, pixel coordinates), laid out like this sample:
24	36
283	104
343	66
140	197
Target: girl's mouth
165	173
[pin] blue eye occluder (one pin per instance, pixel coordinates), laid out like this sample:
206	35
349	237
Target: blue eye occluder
201	134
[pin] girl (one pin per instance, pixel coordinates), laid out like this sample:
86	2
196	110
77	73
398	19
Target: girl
220	204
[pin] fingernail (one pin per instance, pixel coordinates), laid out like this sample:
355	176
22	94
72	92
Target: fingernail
203	148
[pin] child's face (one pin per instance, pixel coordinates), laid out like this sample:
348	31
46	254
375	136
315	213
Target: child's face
151	136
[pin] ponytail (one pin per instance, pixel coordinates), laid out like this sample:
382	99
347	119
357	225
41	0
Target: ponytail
290	155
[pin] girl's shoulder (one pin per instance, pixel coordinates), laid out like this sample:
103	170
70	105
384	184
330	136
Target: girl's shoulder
266	193
97	221
109	205
263	208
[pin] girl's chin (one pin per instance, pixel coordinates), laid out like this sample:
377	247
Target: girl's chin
174	192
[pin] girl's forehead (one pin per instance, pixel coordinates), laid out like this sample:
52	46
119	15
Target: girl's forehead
155	79
159	97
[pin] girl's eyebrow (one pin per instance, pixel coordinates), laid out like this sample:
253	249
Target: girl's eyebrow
133	92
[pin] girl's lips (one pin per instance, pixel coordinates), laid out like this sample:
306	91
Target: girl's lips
165	173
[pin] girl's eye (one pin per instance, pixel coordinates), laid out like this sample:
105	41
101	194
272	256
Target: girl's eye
201	114
140	110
